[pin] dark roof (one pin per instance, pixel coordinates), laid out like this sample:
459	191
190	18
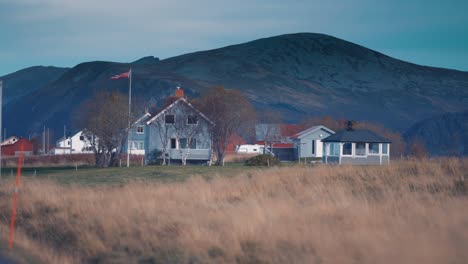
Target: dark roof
359	135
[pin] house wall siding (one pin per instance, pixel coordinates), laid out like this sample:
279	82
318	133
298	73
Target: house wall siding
369	160
136	137
305	144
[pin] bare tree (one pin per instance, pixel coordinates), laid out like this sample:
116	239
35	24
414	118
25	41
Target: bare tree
417	149
328	121
269	129
163	132
231	112
104	119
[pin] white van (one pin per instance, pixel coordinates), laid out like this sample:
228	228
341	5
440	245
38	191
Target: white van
249	149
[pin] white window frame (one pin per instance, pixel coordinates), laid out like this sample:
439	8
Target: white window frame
388	149
329	145
189	146
373	154
142	129
186	143
342	149
355	149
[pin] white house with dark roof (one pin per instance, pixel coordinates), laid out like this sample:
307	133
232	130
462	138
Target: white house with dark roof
359	147
76	144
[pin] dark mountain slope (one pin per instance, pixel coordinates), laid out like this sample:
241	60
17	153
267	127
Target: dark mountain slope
442	135
298	75
26	81
316	74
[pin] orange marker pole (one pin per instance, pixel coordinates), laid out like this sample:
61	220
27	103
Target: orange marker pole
15	198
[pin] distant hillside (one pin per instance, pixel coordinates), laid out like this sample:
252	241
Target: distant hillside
298	75
22	83
442	135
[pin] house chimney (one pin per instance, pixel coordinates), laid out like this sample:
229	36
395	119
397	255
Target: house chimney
179	92
350	125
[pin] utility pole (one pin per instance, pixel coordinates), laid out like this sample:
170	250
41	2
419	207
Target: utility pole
48	140
43	141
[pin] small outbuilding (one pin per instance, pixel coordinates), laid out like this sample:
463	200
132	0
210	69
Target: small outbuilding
308	143
19	146
359	147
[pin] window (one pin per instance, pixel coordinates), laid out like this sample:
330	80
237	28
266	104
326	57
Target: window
192	120
373	148
193	144
313	146
140	129
347	149
334	149
360	149
183	143
169	119
173	143
82	138
68	142
136	145
385	148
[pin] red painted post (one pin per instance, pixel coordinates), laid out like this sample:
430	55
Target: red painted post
15	197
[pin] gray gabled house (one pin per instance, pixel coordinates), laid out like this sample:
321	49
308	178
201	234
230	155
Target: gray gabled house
360	147
308	143
179	134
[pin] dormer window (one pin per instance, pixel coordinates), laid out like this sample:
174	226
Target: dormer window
140	129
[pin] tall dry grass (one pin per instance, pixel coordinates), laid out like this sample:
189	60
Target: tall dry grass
408	212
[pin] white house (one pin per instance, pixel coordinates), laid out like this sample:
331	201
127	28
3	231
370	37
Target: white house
308	143
9	141
75	144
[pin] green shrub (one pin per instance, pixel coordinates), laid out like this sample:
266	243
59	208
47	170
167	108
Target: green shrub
262	160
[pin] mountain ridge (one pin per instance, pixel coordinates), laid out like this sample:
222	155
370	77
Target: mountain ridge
299	75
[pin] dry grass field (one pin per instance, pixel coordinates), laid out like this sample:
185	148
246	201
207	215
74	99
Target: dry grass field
408	212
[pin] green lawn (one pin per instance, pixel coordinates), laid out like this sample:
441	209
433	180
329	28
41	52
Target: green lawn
94	176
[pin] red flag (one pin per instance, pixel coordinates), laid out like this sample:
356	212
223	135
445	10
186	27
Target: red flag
122	75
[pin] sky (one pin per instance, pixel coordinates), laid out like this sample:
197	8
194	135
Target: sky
68	32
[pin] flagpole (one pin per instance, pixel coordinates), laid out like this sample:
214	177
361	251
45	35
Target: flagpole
1	106
129	115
